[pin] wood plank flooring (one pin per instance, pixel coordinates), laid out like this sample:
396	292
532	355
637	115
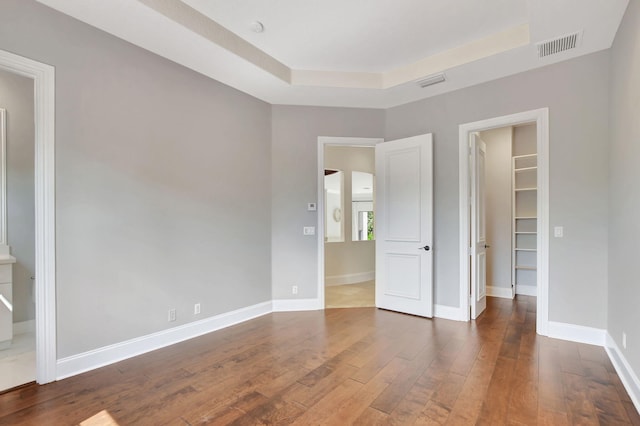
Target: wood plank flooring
346	366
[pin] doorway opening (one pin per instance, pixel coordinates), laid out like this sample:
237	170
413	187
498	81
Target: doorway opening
43	78
17	233
347	222
529	168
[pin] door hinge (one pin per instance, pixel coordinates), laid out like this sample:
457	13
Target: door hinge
469	251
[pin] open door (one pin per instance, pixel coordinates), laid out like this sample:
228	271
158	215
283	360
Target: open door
479	245
404	221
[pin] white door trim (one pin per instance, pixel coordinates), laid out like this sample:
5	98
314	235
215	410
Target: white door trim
541	118
322	142
43	76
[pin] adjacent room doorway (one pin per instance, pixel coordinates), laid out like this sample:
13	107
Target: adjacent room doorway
403	216
43	77
346	206
473	244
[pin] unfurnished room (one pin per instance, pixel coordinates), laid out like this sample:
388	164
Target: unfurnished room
298	212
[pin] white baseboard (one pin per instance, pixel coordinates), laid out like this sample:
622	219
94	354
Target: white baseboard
350	278
625	372
527	290
287	305
449	312
76	364
576	333
24	327
504	292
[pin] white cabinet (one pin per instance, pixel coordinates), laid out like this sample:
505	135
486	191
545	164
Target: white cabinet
524	239
6	301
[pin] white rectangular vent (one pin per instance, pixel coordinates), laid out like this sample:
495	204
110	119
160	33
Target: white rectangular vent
431	80
560	44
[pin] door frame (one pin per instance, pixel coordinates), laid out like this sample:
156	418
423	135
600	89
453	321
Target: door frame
541	118
43	76
324	141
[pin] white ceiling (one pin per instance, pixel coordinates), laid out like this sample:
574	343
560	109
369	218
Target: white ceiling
361	35
359	53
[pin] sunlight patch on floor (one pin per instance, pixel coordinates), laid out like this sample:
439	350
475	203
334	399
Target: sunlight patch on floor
103	418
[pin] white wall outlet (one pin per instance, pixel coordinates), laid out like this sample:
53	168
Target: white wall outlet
309	230
624	340
196	309
558	231
294	289
312	207
172	315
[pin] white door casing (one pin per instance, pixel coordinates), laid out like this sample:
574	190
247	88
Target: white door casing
404	225
478	150
541	118
43	76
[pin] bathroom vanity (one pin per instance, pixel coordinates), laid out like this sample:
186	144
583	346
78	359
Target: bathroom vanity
6	300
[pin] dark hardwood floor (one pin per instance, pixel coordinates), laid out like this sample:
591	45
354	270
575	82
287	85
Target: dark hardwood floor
346	366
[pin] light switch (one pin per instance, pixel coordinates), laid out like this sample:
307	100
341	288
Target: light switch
311	207
558	231
309	230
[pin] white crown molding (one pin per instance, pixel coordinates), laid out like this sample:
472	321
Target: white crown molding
202	25
206	27
494	44
80	363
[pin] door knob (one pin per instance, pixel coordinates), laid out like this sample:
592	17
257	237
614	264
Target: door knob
425	248
487	246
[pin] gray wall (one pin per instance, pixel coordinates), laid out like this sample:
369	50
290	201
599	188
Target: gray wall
576	93
163	191
624	194
349	257
295	132
16	96
498	206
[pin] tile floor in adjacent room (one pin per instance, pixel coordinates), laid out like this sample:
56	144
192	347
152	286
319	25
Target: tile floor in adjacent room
18	362
357	295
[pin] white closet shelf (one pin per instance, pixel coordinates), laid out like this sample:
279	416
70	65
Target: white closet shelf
524	175
526	268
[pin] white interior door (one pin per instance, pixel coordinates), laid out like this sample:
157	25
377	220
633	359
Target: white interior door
479	245
404	221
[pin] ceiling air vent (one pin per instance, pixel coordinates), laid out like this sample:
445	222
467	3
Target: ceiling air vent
431	80
560	44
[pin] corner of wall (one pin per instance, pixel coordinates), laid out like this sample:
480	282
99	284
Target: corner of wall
625	372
